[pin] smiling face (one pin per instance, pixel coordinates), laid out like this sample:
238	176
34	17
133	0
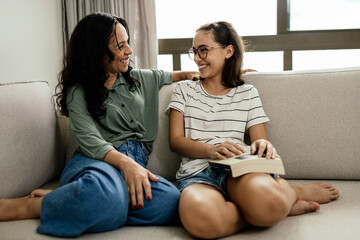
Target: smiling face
118	45
213	65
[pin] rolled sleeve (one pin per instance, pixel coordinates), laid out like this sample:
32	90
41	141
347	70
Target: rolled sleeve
256	113
178	99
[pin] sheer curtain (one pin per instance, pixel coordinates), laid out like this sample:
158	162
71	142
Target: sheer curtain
139	14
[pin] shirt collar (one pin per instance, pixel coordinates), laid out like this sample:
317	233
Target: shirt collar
119	81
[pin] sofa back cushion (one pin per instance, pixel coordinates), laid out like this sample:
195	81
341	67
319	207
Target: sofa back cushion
29	138
314	120
162	160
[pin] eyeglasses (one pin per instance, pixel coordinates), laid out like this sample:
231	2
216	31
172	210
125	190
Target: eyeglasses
202	52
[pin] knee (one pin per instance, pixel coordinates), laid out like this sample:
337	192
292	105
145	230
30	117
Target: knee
266	205
166	191
110	198
172	193
164	204
200	218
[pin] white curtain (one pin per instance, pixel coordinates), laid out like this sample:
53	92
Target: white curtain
139	14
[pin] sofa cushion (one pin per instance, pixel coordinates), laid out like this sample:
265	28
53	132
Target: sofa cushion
29	141
314	120
162	160
336	220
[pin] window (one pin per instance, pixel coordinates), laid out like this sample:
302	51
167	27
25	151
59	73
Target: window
260	61
255	17
324	14
264	61
165	62
322	59
284	34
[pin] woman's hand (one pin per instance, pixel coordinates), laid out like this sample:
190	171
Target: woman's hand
181	75
262	146
248	70
192	76
137	178
225	150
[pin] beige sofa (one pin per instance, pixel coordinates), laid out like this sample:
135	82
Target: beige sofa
315	125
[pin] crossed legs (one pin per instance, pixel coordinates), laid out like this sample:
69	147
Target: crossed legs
256	199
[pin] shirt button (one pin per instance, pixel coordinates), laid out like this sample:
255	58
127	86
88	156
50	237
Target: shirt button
122	105
132	121
112	90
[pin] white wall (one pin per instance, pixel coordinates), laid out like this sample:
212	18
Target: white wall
31	45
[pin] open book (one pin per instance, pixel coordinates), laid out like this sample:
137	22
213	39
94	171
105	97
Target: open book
247	163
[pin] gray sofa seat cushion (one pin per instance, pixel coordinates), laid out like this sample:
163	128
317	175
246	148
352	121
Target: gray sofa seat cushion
29	143
334	221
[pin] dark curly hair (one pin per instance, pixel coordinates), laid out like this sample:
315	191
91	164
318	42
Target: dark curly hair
225	34
83	64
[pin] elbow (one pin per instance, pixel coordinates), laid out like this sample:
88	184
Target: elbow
173	145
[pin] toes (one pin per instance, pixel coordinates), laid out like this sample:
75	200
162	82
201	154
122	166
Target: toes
336	196
313	206
301	207
325	185
328	187
39	192
336	193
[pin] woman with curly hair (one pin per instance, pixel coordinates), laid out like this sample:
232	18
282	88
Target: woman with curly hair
113	111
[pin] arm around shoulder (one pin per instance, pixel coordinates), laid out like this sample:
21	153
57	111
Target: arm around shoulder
180	75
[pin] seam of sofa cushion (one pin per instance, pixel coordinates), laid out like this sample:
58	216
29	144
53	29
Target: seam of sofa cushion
305	72
14	83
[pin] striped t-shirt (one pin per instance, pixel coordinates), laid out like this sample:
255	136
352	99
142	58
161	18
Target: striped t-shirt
214	119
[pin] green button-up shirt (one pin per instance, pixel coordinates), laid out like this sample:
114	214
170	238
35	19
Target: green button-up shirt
129	115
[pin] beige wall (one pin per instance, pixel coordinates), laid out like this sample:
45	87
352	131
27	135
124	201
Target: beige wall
30	40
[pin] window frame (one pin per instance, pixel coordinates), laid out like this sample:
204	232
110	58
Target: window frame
285	40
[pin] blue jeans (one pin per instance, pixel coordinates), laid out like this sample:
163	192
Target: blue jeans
93	197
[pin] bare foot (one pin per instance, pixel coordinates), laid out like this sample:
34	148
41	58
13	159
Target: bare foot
301	207
317	192
39	192
19	208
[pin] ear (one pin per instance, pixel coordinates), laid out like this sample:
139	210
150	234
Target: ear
229	51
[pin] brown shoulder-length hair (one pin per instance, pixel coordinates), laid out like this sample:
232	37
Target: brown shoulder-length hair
225	34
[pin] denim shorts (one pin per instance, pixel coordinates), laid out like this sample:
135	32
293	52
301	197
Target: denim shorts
212	178
207	176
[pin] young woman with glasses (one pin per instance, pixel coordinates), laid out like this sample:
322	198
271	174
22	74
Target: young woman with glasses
208	119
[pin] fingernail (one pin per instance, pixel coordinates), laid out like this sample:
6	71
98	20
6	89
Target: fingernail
134	207
140	206
148	198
